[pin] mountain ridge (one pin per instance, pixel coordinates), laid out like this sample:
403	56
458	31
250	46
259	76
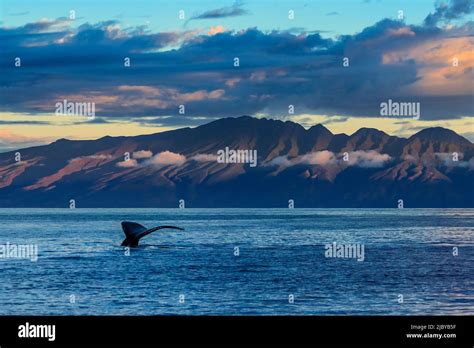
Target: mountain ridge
318	125
313	166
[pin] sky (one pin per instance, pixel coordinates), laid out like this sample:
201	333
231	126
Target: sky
402	51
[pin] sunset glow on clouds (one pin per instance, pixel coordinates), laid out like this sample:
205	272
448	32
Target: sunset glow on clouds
192	64
164	158
436	59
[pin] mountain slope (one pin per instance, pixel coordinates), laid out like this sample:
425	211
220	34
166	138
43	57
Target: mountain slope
315	168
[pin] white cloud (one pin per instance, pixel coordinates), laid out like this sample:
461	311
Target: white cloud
447	160
280	161
204	157
368	159
98	157
142	154
166	158
163	158
131	163
322	158
365	159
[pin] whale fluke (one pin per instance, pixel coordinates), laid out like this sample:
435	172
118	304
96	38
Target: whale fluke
134	232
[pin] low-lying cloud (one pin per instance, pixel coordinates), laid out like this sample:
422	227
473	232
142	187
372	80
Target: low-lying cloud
453	160
204	157
368	159
363	159
92	157
131	163
142	154
166	158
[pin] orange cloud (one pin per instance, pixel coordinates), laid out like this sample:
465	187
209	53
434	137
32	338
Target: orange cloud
201	95
437	73
163	97
8	137
216	30
131	163
232	82
142	154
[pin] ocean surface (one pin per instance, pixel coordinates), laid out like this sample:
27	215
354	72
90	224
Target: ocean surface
408	268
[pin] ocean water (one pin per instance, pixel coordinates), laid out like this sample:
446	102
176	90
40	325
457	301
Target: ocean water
82	270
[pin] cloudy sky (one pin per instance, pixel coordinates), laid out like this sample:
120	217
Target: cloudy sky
399	50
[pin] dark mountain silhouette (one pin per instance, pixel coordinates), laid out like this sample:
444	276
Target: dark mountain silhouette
313	167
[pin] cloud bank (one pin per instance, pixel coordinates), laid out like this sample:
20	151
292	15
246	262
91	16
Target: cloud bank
161	159
363	159
195	68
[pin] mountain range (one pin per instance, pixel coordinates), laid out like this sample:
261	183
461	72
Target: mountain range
312	167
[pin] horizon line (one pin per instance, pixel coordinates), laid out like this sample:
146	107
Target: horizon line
265	118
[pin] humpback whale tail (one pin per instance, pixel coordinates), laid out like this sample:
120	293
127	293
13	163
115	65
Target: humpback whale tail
134	232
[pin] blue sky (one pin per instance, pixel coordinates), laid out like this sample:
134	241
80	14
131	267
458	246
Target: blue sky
333	17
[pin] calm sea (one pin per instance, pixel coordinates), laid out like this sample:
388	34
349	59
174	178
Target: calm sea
239	262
